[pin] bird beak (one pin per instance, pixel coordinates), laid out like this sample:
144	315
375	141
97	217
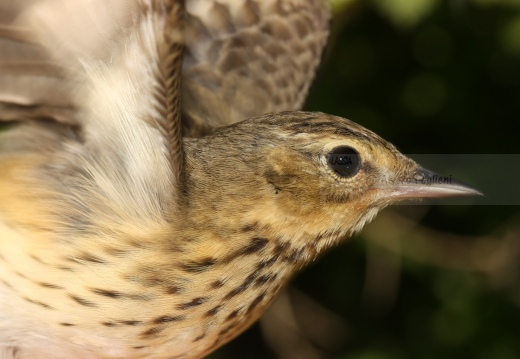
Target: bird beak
427	184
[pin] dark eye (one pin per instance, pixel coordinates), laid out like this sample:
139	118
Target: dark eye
345	161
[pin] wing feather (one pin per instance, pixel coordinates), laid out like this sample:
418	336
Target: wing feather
115	69
31	84
245	58
242	58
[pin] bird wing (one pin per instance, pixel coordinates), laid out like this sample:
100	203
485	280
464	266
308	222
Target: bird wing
245	58
111	69
94	87
31	84
105	66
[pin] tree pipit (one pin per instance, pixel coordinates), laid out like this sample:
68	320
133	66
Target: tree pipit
122	238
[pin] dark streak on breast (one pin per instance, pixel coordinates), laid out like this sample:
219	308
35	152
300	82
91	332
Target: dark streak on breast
82	301
213	311
152	331
87	257
255	245
232	315
216	284
245	284
107	293
149	276
48	285
202	336
264	279
37	259
294	256
168	319
255	303
131	322
266	263
171	290
37	302
6	284
250	227
116	252
227	329
193	303
198	266
20	274
280	248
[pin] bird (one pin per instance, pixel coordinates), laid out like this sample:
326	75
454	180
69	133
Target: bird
159	185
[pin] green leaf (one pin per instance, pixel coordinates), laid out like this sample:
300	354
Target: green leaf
406	13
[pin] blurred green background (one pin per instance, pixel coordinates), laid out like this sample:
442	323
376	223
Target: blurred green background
443	281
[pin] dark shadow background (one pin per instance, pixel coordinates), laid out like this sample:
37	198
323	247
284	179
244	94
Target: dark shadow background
443	281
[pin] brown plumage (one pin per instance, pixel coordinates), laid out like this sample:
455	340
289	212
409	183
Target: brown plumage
121	239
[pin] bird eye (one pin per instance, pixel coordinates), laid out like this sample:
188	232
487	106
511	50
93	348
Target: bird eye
344	160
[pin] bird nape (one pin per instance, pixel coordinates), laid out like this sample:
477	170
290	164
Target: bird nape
119	238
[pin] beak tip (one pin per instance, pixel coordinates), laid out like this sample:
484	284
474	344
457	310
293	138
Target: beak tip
476	192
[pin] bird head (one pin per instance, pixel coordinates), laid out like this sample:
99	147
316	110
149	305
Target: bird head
311	176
